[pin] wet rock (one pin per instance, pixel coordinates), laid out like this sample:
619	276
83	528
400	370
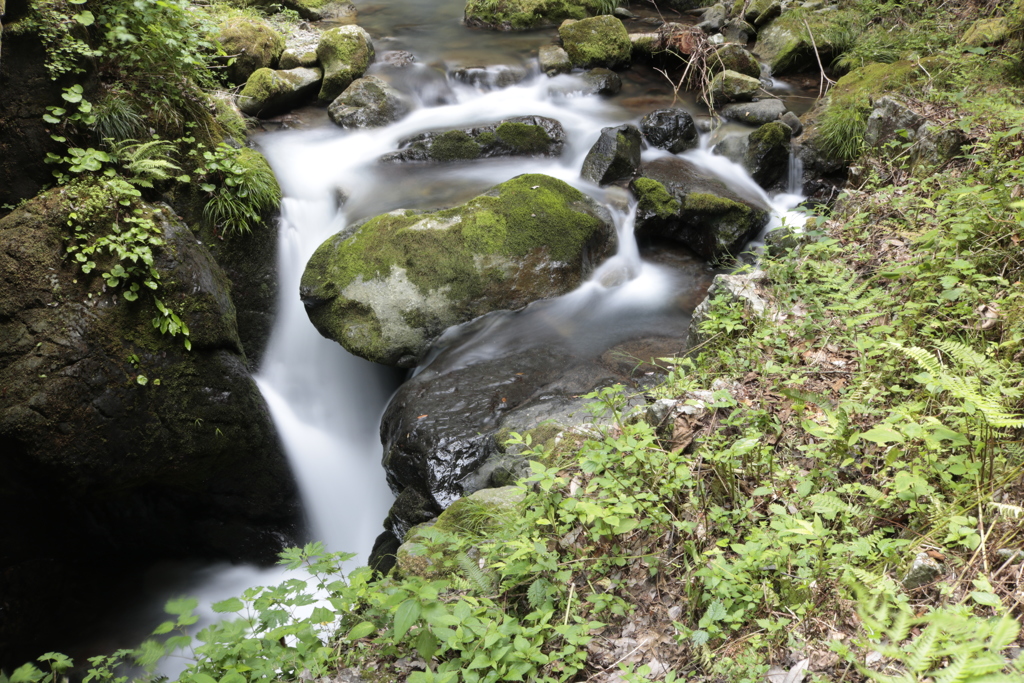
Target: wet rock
767	155
778	45
344	53
518	136
671	129
793	121
554	60
772	11
730	86
102	463
754	113
743	288
732	57
597	41
253	43
922	572
738	31
410	509
713	19
521	15
368	103
615	155
679	201
398	59
444	430
385	288
602	81
269	93
489	77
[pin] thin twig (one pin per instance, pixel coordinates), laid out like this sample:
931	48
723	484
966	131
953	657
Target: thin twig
821	82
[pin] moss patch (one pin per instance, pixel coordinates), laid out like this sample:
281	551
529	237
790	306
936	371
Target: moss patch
523	138
455	145
254	43
654	198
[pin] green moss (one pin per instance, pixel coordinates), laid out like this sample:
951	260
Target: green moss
598	41
712	204
344	53
260	85
653	197
522	15
254	43
485	139
770	135
523	138
454	145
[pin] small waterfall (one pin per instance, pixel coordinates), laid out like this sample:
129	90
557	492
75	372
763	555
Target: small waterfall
795	181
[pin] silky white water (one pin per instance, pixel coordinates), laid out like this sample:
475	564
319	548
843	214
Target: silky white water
327	403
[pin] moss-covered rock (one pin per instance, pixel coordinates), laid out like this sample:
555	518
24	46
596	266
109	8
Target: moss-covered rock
253	43
517	136
615	155
984	32
269	93
296	58
733	57
387	287
368	103
115	438
681	202
597	41
344	52
730	86
757	113
524	15
786	45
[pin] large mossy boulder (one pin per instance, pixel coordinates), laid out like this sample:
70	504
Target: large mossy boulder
787	45
681	202
385	288
368	103
597	41
344	52
253	43
518	136
269	93
524	15
116	440
733	57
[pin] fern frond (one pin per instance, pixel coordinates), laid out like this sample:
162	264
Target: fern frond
482	581
923	649
537	593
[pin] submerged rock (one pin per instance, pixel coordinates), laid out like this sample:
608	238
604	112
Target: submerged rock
489	77
671	129
597	41
269	93
385	288
615	155
253	43
345	53
368	103
681	202
518	136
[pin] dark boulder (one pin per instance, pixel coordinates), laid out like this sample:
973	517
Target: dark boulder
615	155
767	155
671	129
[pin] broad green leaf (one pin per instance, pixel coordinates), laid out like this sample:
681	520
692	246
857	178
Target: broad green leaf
882	435
180	606
986	599
406	615
361	630
229	605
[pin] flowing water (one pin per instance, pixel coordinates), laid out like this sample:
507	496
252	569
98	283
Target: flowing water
327	403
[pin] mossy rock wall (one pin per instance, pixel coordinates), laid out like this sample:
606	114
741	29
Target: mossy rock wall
387	287
95	464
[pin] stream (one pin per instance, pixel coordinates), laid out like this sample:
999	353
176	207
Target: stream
326	403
